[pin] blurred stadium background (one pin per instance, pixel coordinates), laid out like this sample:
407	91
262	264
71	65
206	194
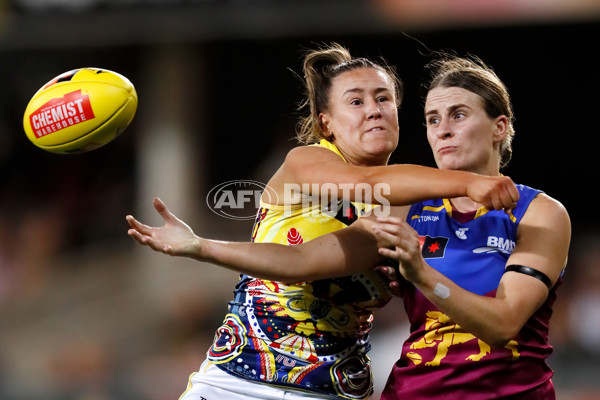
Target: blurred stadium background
85	314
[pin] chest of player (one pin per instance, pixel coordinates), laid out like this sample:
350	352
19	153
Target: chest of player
473	254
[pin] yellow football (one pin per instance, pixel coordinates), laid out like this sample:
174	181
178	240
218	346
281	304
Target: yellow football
80	110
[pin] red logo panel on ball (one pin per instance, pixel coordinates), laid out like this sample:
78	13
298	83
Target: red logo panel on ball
60	113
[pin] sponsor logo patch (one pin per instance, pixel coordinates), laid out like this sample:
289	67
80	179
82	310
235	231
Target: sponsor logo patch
60	113
433	247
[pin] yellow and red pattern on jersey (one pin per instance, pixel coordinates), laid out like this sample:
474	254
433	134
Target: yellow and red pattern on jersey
308	335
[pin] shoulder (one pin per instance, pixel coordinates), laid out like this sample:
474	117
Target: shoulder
308	164
546	211
304	162
319	165
527	194
306	154
544	204
543	236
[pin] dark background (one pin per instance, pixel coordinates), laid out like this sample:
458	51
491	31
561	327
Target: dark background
251	98
93	316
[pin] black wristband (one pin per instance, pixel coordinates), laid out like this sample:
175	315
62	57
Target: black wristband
531	272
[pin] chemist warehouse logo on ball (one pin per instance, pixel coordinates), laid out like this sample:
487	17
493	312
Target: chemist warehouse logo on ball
239	199
60	113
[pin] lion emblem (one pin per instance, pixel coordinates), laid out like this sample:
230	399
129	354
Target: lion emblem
443	336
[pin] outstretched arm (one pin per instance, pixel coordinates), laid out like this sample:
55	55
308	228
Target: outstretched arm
542	243
340	253
399	184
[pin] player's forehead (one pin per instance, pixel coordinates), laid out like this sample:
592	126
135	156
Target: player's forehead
441	99
361	80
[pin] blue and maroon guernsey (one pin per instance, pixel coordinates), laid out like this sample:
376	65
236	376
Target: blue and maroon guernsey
440	360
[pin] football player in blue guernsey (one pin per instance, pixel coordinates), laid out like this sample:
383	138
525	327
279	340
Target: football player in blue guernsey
478	285
288	333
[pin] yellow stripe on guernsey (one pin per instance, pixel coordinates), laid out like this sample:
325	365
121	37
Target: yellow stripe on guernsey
299	223
448	207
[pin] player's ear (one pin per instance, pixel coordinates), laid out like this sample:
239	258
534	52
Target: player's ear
324	122
500	128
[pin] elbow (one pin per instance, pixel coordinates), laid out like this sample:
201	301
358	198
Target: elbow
501	335
499	342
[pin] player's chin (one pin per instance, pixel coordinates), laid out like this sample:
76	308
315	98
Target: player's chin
382	147
448	162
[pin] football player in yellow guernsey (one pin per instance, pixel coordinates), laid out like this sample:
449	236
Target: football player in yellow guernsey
309	339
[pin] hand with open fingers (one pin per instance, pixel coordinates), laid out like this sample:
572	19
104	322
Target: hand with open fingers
175	237
401	243
494	192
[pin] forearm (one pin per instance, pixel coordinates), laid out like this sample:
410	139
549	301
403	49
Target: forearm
398	184
340	253
412	183
262	260
492	319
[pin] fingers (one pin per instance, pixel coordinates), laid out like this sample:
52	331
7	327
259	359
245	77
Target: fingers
144	234
138	226
494	192
387	238
140	232
503	195
148	241
158	204
137	236
387	271
396	254
391	220
145	229
394	247
513	193
162	209
394	226
498	202
140	237
499	198
509	194
392	278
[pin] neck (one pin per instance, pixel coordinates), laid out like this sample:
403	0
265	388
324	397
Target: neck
464	204
372	162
